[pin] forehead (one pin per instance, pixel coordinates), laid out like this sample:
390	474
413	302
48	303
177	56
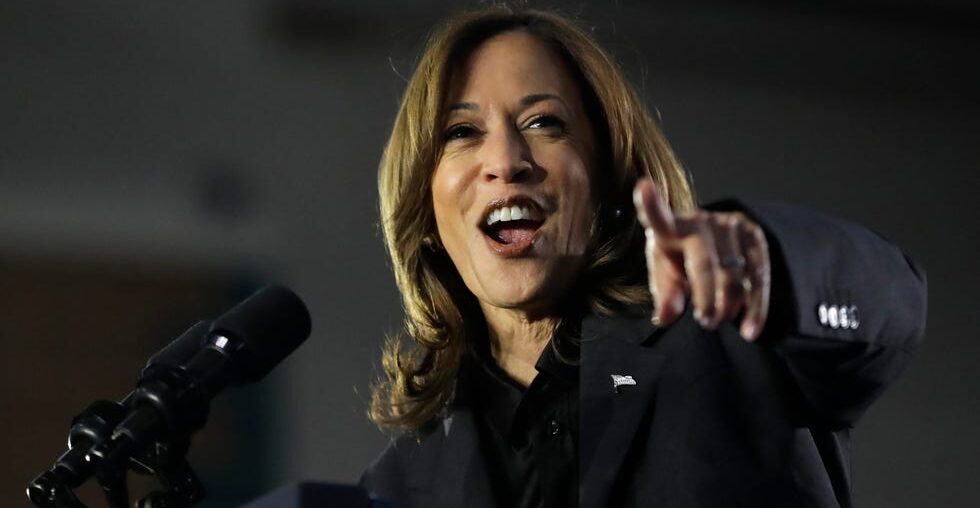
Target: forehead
512	64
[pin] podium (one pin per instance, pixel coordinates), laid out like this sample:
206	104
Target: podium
317	495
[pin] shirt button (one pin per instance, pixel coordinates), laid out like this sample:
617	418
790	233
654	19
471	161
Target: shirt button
555	427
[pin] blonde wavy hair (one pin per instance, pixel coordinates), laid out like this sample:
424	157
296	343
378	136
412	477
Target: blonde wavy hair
421	363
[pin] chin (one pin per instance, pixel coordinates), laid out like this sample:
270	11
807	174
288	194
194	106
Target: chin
523	290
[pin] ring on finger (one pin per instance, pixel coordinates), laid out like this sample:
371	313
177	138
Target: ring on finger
733	261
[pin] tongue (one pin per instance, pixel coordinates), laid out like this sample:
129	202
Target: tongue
516	233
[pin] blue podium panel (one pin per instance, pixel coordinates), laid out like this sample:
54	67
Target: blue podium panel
318	495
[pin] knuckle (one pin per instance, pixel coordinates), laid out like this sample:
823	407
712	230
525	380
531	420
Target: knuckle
724	223
730	220
700	264
700	218
732	228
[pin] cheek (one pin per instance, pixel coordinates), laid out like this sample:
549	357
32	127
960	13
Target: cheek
580	204
451	198
571	169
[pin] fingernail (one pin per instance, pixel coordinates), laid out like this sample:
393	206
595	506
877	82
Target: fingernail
713	319
704	320
748	331
655	320
698	316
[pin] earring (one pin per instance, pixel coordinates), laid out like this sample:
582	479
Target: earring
432	242
621	215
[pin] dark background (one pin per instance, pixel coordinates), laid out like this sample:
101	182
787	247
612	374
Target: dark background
158	160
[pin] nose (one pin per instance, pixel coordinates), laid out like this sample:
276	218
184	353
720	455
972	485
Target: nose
506	156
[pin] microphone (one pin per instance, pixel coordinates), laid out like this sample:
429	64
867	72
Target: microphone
262	331
242	346
174	390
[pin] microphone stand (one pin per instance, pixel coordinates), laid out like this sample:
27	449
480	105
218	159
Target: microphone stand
149	431
181	486
97	447
53	488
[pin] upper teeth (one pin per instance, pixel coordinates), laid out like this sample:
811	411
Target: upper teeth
508	213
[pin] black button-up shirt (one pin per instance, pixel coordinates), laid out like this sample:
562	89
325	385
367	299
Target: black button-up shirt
529	437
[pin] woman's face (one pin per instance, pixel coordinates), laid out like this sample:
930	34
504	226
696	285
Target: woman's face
512	192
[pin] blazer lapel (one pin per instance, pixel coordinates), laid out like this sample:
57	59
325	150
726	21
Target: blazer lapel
458	475
610	417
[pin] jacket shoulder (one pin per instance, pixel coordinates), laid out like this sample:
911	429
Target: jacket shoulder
403	465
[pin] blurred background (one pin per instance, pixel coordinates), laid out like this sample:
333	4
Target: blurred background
160	160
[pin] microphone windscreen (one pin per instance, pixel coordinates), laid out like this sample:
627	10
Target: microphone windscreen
270	324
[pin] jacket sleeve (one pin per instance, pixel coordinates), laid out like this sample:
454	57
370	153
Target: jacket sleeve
847	308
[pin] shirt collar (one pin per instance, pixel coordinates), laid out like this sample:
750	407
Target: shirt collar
499	397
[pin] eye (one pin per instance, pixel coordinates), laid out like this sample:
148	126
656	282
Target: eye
546	122
460	131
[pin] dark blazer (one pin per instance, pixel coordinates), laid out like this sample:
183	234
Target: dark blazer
713	421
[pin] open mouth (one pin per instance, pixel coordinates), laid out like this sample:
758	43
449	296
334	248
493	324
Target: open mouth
511	225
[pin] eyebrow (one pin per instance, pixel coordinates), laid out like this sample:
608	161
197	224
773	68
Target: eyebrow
538	97
525	102
469	106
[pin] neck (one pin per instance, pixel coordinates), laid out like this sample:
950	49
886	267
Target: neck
517	339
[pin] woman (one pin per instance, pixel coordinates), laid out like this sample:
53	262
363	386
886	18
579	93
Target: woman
536	369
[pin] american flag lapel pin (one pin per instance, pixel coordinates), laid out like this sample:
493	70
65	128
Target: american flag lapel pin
619	380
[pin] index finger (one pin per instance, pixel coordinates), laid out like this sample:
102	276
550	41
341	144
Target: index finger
651	209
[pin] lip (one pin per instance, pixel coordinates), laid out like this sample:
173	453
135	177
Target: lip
512	250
